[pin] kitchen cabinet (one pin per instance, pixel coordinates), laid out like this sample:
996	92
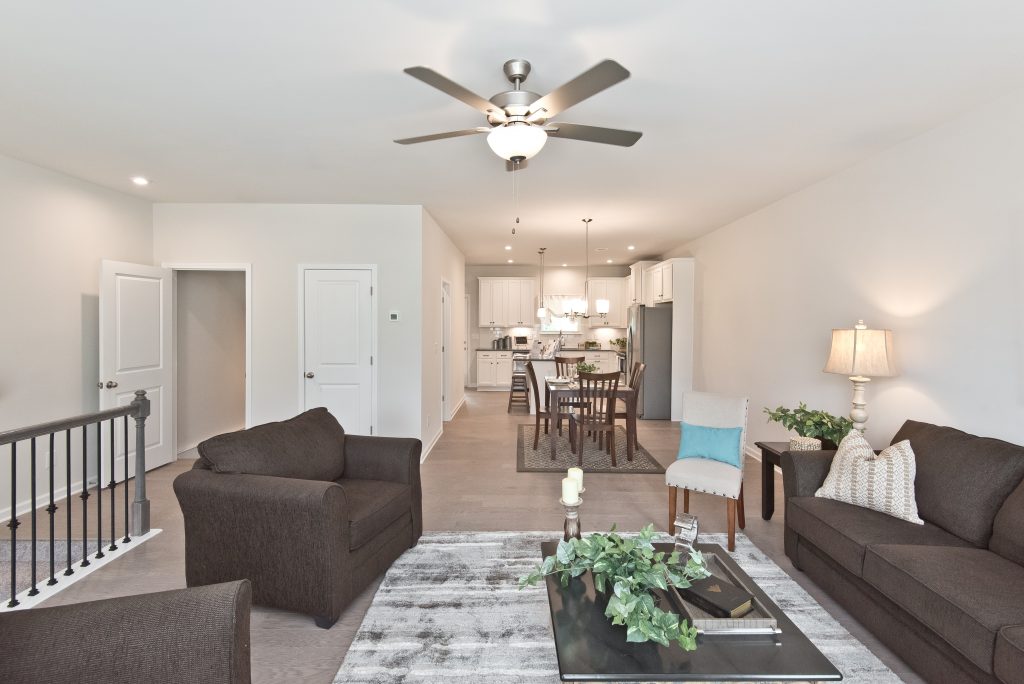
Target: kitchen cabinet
636	282
614	290
658	283
606	361
506	302
493	369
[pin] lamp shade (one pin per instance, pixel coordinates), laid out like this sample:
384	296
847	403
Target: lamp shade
541	311
518	140
861	352
602	306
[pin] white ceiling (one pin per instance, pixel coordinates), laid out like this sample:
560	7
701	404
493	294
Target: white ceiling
740	103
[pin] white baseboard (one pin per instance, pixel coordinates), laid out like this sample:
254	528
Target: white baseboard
64	581
753	452
455	411
427	448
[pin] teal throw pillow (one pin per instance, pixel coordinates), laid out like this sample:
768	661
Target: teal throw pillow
718	444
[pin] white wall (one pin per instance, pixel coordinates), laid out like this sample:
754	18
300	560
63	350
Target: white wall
54	230
275	239
442	261
210	354
926	239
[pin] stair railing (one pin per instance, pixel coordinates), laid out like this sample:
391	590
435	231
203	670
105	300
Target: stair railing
136	524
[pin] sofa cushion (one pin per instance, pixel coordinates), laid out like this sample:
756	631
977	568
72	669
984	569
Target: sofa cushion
373	505
843	531
964	595
962	480
1008	528
310	446
1009	659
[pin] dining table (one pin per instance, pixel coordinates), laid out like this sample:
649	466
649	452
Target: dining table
556	390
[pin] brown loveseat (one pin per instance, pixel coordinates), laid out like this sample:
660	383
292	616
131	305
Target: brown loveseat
185	636
946	596
308	514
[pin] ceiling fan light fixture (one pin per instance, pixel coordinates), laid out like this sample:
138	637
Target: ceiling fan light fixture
516	140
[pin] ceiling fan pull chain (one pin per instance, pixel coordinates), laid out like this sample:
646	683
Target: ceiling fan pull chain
515	194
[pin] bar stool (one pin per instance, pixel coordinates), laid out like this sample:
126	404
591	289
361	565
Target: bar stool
519	393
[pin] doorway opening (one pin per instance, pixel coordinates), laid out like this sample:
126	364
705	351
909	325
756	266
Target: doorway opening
446	350
211	329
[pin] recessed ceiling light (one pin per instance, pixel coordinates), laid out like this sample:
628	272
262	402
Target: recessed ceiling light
631	248
508	248
141	181
564	265
600	249
511	261
609	261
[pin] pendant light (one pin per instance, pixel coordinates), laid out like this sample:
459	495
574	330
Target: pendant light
541	309
580	306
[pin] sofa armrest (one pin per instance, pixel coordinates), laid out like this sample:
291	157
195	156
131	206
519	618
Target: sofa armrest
395	459
288	536
803	472
185	635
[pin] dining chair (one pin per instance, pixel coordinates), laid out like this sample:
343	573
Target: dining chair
710	458
565	367
635	381
595	412
539	411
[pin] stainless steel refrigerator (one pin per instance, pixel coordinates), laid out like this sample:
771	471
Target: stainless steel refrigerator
649	341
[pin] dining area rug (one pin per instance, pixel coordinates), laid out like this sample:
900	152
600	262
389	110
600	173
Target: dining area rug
529	460
448	610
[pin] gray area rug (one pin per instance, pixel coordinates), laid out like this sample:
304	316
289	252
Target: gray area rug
448	610
23	562
595	460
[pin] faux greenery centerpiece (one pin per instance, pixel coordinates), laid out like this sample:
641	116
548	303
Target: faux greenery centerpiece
632	569
619	342
583	367
807	423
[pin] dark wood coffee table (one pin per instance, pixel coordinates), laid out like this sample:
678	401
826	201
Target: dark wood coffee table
591	649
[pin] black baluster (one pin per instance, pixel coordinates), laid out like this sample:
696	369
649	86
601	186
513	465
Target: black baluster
112	487
32	502
13	524
67	496
51	509
99	491
126	537
84	496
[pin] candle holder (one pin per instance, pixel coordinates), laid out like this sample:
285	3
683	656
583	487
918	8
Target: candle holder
572	519
685	532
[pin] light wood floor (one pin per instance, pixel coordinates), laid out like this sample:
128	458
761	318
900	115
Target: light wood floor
469	483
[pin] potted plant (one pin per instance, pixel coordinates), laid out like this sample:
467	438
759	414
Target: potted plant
629	571
583	367
820	425
619	342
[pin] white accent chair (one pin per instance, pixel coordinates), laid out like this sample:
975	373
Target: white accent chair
704	474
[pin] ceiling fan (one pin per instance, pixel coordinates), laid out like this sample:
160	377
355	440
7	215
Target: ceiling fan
518	119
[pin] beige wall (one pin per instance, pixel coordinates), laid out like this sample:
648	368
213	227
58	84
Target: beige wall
442	261
275	239
54	231
210	355
926	239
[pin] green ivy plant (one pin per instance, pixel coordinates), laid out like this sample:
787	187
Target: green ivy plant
583	367
807	423
632	569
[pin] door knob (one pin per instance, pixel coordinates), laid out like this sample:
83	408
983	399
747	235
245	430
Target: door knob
111	384
309	374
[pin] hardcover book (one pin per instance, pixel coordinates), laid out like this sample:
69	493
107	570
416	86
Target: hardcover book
718	597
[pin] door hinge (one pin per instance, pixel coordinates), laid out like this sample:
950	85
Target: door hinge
371	290
371	429
371	360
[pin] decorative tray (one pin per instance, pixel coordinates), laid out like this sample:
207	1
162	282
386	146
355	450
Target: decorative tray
758	621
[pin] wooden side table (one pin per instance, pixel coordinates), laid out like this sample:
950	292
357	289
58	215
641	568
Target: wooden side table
771	456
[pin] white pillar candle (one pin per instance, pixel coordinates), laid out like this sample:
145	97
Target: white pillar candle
570	492
577	474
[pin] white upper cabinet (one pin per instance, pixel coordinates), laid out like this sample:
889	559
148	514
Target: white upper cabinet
506	302
614	290
637	282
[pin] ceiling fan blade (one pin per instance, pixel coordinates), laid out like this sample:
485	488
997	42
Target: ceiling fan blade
446	85
442	136
598	134
590	82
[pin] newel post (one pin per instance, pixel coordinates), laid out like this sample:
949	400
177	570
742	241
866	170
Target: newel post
140	507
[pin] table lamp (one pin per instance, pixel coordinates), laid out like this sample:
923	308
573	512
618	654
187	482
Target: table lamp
861	354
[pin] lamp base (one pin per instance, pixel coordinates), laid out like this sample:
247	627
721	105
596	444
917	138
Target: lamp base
858	410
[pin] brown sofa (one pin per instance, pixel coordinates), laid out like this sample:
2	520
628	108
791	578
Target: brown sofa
308	514
946	596
186	636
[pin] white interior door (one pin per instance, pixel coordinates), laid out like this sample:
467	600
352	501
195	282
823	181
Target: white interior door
135	354
338	345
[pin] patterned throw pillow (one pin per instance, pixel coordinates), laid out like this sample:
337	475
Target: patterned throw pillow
882	482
